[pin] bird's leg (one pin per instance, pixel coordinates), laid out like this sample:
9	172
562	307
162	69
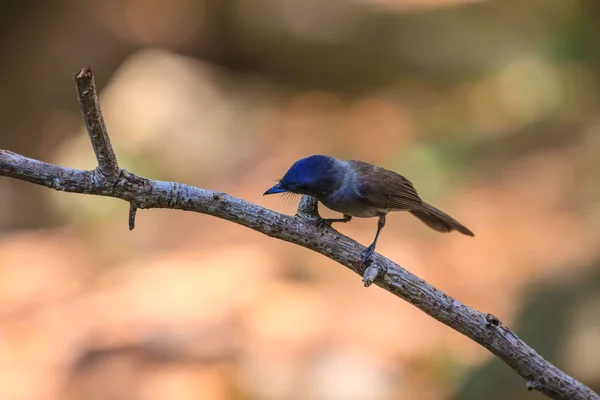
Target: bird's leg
371	249
323	223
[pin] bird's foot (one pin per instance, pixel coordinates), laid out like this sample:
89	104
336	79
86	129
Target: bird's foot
366	255
323	224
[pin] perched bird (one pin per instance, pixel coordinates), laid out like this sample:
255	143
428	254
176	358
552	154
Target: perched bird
359	189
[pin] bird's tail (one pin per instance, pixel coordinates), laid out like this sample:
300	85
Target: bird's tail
438	220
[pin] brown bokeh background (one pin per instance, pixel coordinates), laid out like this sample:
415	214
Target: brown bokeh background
490	108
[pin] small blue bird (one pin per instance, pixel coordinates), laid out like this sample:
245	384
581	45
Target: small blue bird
359	189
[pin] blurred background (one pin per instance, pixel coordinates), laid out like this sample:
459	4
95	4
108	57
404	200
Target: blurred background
490	108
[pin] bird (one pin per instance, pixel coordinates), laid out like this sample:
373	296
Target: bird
359	189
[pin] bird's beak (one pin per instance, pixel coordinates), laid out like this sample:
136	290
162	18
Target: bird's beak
275	189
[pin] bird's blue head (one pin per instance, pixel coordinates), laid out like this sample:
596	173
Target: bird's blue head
314	176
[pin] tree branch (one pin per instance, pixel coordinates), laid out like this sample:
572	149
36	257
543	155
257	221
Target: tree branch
485	329
94	123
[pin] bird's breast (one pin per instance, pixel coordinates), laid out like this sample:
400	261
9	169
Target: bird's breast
346	197
350	206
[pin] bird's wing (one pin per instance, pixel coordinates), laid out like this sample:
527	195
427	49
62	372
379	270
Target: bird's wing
384	189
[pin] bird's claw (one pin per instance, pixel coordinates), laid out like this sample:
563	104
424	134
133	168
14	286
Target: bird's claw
366	255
